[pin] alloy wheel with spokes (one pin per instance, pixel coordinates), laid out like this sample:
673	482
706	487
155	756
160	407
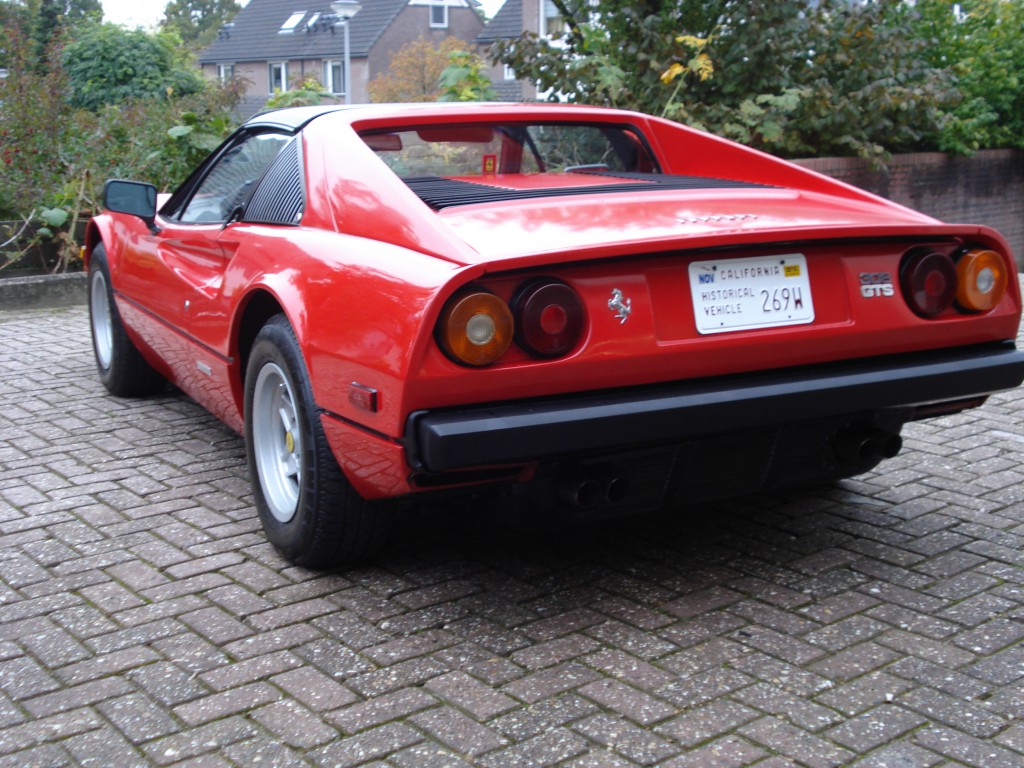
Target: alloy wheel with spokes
277	441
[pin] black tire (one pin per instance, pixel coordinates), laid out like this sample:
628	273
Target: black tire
122	368
308	509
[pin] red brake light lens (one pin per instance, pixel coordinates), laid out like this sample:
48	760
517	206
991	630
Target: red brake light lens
929	282
981	280
475	328
549	318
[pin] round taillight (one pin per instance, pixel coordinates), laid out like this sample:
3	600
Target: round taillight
475	328
549	318
981	280
928	280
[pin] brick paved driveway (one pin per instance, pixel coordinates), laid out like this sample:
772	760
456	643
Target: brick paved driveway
144	620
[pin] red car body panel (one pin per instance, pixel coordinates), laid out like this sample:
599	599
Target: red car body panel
365	275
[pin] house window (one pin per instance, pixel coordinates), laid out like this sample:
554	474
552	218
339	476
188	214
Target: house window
334	77
225	72
552	23
278	77
439	16
509	74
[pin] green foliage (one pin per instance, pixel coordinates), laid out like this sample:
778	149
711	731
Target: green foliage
308	93
790	76
464	79
54	160
31	124
196	22
107	64
415	71
983	46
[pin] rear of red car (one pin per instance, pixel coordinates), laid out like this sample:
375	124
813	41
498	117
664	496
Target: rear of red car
627	338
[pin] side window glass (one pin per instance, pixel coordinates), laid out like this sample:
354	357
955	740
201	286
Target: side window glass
232	178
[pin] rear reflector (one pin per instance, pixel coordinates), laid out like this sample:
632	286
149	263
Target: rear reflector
549	318
928	280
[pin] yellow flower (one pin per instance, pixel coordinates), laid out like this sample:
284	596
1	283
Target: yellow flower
672	73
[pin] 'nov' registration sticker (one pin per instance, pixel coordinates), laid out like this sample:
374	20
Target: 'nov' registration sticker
747	294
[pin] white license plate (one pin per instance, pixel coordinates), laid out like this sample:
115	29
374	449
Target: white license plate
747	294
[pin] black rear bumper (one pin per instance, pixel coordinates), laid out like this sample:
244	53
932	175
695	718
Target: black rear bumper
577	425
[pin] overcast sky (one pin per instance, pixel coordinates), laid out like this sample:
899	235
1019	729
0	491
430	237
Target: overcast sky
146	13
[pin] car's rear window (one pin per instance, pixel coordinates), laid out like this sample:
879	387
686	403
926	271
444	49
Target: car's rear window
510	148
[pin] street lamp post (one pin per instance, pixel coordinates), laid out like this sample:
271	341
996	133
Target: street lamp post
345	10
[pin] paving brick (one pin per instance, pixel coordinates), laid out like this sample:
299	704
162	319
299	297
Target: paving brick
458	731
76	697
990	637
629	740
854	662
138	718
940	707
977	753
795	743
294	724
876	727
367	746
469	694
249	670
550	682
629	669
167	683
197	741
381	709
221	705
539	752
798	710
314	689
707	722
145	620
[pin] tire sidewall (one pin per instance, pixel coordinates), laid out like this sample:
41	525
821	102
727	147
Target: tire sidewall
100	269
276	344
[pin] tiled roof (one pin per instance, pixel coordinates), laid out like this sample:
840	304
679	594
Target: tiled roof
507	23
255	36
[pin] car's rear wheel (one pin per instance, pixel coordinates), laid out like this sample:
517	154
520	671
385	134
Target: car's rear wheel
122	368
308	509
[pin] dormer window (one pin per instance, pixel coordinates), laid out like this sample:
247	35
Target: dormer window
292	23
439	15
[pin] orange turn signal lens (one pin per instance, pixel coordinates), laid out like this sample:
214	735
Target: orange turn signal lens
476	328
981	280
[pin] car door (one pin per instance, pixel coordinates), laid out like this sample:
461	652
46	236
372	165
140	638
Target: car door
176	274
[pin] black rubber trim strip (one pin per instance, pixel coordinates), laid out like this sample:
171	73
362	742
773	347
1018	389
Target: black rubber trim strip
439	192
508	433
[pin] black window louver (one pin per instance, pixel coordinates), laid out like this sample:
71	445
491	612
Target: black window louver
439	192
279	199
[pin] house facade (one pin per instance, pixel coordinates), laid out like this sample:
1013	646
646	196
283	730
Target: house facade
275	44
512	19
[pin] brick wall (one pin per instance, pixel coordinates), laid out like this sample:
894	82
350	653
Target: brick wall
987	188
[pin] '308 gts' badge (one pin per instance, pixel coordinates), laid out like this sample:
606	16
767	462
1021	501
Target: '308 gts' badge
620	305
876	285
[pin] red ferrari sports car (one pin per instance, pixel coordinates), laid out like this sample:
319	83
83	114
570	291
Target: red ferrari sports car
586	309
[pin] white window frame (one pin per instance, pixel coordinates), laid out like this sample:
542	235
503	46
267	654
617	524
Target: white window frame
283	67
335	88
443	23
225	72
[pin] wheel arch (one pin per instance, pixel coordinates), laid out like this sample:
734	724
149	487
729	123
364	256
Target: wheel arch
97	232
259	306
